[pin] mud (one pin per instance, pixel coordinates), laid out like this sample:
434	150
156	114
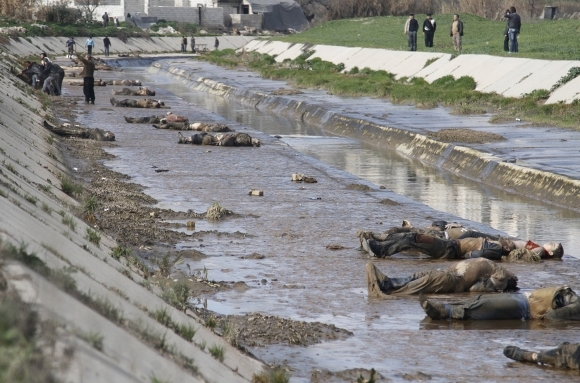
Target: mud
467	136
347	376
299	278
126	213
257	330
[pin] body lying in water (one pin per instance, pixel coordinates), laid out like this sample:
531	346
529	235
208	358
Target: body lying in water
200	127
141	91
475	275
566	355
220	139
146	103
453	242
124	82
549	303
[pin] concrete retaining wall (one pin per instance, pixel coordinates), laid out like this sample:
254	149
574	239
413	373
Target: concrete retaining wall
470	163
31	163
509	76
181	14
55	46
212	17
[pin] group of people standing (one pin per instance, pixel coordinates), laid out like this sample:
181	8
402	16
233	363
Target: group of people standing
89	45
512	30
216	44
106	18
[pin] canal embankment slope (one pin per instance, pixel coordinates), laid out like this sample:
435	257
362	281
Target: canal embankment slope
102	310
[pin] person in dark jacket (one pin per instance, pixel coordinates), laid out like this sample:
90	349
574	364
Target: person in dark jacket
33	71
429	28
514	25
107	44
456	32
192	44
183	44
552	303
566	355
51	75
216	44
411	29
88	75
386	245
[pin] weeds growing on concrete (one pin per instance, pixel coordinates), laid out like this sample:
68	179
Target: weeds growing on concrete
120	251
69	221
210	322
95	339
45	188
90	205
217	352
46	208
9	167
21	357
93	236
230	333
177	295
70	187
202	345
276	375
163	316
30	198
155	379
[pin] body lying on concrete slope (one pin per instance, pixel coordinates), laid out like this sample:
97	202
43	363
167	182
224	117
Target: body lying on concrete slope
68	130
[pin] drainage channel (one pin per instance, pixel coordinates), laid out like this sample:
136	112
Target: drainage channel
515	215
391	336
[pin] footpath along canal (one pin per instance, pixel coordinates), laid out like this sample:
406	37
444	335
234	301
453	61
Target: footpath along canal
290	228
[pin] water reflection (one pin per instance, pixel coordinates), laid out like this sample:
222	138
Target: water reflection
441	190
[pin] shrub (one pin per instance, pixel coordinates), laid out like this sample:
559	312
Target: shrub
217	352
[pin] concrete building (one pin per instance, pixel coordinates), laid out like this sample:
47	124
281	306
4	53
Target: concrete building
209	14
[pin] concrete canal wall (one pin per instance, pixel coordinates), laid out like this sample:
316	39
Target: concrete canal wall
39	218
508	76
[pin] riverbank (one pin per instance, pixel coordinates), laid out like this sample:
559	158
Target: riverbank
293	229
56	46
478	162
106	315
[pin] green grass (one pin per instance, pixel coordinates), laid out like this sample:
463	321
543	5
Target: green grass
276	375
93	236
70	187
120	251
69	221
177	294
95	339
217	352
554	39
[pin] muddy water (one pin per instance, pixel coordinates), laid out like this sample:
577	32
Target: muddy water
306	283
443	191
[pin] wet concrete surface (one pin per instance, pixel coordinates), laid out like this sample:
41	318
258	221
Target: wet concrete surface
305	281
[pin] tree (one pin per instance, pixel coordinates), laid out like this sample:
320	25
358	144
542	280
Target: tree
88	7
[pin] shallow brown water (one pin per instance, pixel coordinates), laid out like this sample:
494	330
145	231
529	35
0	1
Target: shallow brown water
307	282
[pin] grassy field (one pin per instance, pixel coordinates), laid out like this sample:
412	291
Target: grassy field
557	39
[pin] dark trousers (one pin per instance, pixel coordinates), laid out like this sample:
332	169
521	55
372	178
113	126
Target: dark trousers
412	39
90	49
506	43
429	39
491	307
89	88
396	243
106	50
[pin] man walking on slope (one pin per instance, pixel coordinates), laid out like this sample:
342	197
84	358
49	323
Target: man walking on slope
88	74
429	27
411	28
456	32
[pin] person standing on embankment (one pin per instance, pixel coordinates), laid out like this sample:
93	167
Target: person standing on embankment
88	75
